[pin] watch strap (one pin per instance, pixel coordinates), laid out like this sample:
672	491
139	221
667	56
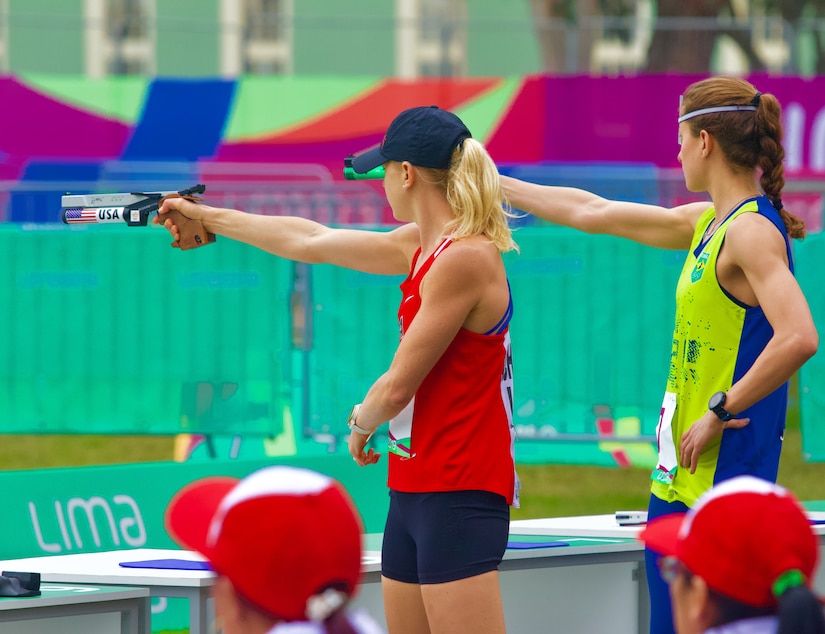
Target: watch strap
722	414
353	415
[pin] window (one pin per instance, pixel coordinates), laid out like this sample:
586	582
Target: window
431	38
4	36
257	37
120	37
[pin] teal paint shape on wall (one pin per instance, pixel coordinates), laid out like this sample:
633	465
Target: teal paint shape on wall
264	105
119	97
483	114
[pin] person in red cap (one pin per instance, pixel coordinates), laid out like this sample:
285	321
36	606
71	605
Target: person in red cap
285	544
447	394
740	561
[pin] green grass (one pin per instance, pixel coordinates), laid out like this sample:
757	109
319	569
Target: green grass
557	490
560	490
548	490
40	451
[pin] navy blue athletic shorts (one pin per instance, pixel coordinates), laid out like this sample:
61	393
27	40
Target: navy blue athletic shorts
441	537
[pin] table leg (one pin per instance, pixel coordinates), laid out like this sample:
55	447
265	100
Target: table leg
201	614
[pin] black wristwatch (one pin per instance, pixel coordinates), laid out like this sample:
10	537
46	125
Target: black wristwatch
716	404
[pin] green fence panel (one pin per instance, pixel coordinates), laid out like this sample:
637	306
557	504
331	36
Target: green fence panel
355	333
810	263
109	330
591	332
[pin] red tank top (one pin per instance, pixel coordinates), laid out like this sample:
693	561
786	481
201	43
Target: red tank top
457	433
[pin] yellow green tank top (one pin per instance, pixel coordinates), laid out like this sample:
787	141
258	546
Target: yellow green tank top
716	339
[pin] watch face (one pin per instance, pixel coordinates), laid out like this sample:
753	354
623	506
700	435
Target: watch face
717	400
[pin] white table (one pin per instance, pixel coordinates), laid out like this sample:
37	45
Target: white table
79	609
596	583
605	526
593	584
538	585
582	526
103	568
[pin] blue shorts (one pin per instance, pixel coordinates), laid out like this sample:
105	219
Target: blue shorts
441	537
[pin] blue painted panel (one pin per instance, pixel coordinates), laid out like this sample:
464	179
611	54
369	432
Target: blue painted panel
182	120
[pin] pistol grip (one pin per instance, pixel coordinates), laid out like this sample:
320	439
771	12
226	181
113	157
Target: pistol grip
192	232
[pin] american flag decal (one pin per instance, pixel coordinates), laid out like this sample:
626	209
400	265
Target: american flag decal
80	215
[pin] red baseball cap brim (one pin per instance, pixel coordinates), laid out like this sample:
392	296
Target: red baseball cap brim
191	510
661	535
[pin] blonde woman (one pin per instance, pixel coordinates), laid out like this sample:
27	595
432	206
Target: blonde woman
447	394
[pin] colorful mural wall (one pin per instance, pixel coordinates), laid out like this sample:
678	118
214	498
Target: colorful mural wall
58	128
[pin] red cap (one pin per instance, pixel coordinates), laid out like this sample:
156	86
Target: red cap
282	535
742	537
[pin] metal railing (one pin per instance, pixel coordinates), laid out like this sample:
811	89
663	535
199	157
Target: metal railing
306	190
310	191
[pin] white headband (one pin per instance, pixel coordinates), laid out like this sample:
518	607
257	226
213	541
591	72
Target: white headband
753	106
697	113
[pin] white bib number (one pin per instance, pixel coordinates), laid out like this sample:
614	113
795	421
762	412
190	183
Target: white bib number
668	461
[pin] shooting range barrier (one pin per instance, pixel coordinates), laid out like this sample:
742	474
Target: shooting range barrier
810	263
111	331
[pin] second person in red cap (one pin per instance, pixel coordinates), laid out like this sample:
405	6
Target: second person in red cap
740	561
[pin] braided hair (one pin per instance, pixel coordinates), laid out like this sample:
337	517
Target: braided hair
749	139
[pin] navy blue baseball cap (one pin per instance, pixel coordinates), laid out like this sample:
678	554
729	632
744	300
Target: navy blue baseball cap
425	136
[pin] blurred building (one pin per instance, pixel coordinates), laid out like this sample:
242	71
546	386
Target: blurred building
234	37
409	38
